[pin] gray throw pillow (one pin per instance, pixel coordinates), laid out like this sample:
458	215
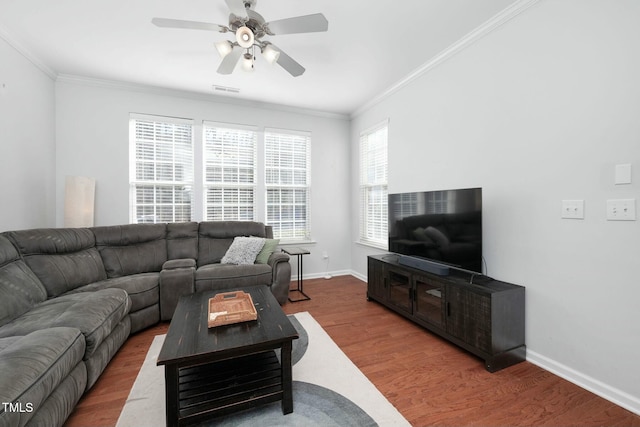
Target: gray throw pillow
243	250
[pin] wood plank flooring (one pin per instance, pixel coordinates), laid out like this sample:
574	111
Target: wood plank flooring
430	381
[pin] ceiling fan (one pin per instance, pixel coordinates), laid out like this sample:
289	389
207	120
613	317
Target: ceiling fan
249	28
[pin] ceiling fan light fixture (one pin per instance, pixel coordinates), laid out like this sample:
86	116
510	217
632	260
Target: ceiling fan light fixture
224	48
249	28
270	54
245	37
247	62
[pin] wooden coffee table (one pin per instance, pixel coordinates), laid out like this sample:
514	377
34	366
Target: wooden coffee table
214	371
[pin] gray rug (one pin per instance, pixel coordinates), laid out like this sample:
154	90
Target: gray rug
328	390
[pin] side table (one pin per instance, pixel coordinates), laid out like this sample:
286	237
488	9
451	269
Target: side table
298	253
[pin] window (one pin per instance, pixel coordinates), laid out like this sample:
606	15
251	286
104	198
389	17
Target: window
287	172
230	172
373	186
226	172
161	170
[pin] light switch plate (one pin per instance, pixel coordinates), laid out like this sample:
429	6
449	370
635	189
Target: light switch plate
623	174
621	210
573	209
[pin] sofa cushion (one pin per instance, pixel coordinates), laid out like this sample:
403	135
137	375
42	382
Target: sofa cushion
106	350
215	237
59	405
226	276
62	258
182	240
20	289
142	288
131	248
95	314
34	365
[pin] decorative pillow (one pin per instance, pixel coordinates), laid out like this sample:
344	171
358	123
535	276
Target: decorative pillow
268	248
243	250
437	236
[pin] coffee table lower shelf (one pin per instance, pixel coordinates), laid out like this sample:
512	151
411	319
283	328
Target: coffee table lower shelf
219	388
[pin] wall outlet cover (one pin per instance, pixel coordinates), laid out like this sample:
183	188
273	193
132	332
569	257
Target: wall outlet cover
621	210
573	209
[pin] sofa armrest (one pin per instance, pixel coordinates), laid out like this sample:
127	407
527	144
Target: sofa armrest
281	275
177	278
277	257
173	264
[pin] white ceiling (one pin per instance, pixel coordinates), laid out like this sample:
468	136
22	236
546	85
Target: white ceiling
370	45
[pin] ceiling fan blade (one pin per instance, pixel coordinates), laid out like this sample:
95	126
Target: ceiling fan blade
229	62
300	24
288	63
189	25
237	7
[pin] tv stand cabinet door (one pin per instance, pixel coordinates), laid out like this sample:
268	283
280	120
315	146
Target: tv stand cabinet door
468	317
400	285
429	300
377	282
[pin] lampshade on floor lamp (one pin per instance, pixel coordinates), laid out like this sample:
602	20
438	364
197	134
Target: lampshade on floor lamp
79	199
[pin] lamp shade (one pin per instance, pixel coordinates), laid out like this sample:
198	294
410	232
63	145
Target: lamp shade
224	48
245	37
247	62
270	54
79	201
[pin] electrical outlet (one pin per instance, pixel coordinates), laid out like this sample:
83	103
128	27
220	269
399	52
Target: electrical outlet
573	209
621	210
325	255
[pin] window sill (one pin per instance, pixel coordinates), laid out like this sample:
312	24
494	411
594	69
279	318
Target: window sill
382	247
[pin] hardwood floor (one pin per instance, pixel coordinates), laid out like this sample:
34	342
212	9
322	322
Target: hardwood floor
429	380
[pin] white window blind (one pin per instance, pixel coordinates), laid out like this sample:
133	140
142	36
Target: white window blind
287	181
230	172
373	186
161	169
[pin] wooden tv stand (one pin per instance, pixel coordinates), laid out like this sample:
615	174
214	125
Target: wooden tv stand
485	317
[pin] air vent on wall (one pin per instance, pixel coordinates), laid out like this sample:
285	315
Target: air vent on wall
225	89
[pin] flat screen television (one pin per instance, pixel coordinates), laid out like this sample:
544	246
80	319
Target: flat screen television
441	226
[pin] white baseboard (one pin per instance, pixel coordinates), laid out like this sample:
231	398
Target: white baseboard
321	275
620	398
359	276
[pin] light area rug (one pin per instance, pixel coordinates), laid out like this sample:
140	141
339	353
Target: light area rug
328	389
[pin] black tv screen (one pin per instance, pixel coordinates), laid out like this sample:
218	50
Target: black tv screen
443	226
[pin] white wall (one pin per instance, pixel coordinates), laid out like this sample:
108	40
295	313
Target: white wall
540	110
93	140
27	143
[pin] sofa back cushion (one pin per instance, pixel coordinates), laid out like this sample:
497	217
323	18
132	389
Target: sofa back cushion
182	240
62	258
20	289
215	237
131	248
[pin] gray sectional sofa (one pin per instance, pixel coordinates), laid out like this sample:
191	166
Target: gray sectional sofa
70	297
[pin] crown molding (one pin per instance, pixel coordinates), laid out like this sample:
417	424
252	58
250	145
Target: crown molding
14	43
197	96
498	20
